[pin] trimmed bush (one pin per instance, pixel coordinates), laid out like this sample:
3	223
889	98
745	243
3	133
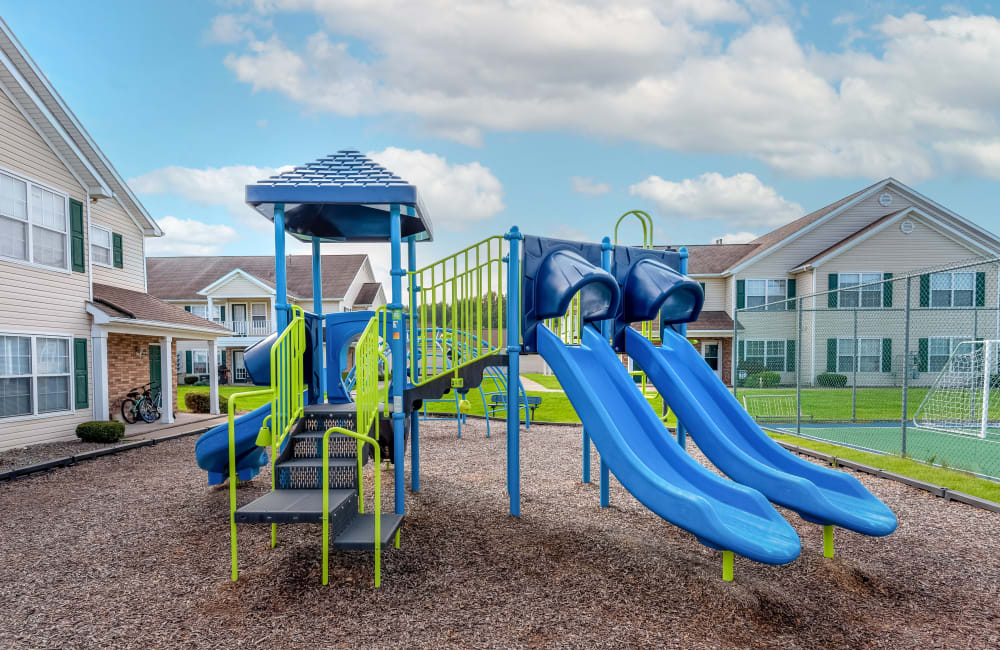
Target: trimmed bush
190	379
100	431
766	379
831	380
751	367
199	402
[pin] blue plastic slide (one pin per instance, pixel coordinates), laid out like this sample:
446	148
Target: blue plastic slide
212	448
734	443
645	459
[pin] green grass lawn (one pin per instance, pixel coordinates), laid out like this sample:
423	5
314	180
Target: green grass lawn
248	404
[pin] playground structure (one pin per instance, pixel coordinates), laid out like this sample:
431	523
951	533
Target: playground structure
480	309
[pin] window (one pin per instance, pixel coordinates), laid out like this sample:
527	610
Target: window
258	312
199	362
763	292
941	348
100	245
769	352
857	290
33	223
863	354
200	310
956	289
36	382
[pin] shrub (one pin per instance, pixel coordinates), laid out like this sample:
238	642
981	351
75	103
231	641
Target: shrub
765	379
100	431
751	367
190	379
199	402
831	380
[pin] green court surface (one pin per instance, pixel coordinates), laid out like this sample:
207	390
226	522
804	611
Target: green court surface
965	452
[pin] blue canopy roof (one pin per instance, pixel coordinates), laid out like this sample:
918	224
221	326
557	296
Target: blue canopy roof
341	197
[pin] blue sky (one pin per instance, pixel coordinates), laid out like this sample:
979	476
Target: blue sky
720	117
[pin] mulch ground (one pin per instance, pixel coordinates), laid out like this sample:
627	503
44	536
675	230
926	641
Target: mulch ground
132	550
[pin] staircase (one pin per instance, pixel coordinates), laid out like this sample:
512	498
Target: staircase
297	496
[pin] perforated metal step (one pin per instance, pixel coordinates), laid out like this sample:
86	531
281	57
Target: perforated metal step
304	473
299	506
359	533
310	445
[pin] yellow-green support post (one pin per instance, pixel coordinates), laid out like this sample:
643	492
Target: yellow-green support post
727	566
827	541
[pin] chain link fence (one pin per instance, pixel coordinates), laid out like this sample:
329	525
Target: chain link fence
853	365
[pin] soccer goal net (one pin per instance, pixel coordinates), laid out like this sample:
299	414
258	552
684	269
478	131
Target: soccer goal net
965	395
771	408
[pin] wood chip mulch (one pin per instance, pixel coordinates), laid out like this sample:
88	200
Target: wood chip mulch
132	551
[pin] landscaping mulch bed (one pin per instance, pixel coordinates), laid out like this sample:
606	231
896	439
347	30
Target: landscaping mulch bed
132	550
25	456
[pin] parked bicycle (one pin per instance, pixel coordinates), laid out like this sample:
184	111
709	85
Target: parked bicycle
142	403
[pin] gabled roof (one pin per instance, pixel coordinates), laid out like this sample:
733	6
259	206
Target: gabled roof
706	259
859	234
28	88
118	303
367	294
267	288
182	278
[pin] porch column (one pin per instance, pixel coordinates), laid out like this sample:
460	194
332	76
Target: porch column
167	363
213	376
209	314
99	348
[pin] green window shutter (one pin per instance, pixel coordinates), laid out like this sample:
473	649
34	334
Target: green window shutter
887	291
886	355
80	373
187	361
790	293
790	355
77	248
925	290
980	289
702	285
832	283
740	355
116	245
831	355
187	307
741	294
222	312
923	354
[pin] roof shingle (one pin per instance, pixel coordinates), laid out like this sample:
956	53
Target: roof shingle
125	303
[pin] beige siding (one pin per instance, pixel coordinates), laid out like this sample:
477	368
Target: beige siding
239	286
109	214
35	300
364	275
715	294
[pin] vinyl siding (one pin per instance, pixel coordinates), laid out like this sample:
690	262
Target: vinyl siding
363	275
715	294
35	300
238	285
132	275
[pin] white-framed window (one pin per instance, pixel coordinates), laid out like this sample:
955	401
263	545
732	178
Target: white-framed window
865	354
762	292
100	245
200	310
199	362
258	312
34	223
953	289
35	375
857	290
769	352
941	348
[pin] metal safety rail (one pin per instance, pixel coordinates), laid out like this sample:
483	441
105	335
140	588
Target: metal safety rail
465	292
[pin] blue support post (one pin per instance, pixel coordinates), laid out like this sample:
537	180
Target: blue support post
606	333
681	433
280	283
398	357
317	268
514	370
411	254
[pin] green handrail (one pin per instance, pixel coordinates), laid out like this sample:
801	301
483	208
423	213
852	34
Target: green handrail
647	226
233	399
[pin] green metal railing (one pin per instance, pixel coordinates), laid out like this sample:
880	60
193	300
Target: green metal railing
465	293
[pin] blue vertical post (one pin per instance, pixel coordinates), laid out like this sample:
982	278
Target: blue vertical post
681	433
411	263
280	284
398	356
606	333
514	370
317	263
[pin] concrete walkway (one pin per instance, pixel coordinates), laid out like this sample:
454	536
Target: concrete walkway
183	422
533	386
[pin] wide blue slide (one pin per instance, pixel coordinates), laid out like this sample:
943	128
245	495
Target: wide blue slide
735	444
212	449
640	452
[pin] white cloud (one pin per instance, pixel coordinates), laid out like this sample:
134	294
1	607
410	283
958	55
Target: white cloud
738	237
588	186
213	186
645	71
981	158
741	199
455	194
190	237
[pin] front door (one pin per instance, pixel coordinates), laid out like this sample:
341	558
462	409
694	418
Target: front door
239	369
710	351
154	367
238	314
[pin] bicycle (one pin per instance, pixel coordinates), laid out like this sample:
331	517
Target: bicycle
142	402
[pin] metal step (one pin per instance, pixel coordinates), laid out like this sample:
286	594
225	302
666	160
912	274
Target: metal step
300	506
359	533
304	473
320	417
310	445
